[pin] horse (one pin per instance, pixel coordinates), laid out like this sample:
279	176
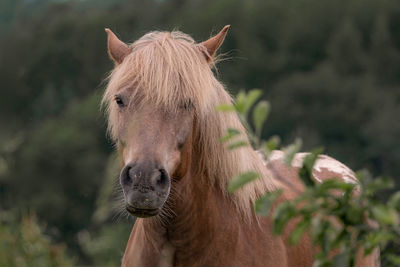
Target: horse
161	101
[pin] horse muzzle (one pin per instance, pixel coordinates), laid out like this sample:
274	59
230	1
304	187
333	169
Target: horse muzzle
145	189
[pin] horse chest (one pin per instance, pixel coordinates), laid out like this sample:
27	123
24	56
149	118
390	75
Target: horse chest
167	254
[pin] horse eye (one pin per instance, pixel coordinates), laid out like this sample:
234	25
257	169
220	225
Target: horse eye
119	101
188	105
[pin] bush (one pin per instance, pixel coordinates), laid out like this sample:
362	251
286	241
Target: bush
336	216
22	243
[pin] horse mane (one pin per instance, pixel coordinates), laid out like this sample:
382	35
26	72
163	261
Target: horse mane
167	69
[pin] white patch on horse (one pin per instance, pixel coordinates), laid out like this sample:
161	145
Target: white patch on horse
167	255
275	155
323	163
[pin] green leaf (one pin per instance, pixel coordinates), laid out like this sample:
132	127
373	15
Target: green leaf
250	99
305	172
319	232
264	204
240	102
380	184
385	215
271	144
375	239
331	184
312	157
291	150
298	232
260	114
241	179
284	212
237	144
230	133
354	215
226	107
394	259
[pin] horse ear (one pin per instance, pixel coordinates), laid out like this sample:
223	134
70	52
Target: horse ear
117	50
214	43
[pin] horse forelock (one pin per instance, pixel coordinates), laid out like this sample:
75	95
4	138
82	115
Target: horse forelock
166	69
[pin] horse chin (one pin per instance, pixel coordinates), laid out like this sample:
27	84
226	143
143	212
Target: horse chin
142	213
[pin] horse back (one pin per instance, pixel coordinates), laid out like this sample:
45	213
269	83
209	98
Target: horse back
325	168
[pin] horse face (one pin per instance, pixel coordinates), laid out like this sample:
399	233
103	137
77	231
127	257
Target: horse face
152	132
151	142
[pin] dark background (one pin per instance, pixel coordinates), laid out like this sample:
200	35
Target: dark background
331	70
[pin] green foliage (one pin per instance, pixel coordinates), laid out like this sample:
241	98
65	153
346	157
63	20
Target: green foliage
24	244
260	114
271	144
305	173
291	150
242	179
264	204
64	159
230	134
245	101
338	216
105	246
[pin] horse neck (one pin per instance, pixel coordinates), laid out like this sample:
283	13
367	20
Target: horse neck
198	211
198	203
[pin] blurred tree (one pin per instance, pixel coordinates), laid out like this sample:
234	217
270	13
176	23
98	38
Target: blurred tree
23	244
59	168
345	50
385	57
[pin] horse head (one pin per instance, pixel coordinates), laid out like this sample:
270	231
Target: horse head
159	85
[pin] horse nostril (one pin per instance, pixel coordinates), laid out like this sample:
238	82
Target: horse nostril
163	178
126	177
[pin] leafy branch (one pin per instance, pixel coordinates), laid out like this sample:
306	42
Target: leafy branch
339	217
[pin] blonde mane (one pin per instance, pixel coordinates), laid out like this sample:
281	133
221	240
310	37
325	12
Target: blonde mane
167	69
